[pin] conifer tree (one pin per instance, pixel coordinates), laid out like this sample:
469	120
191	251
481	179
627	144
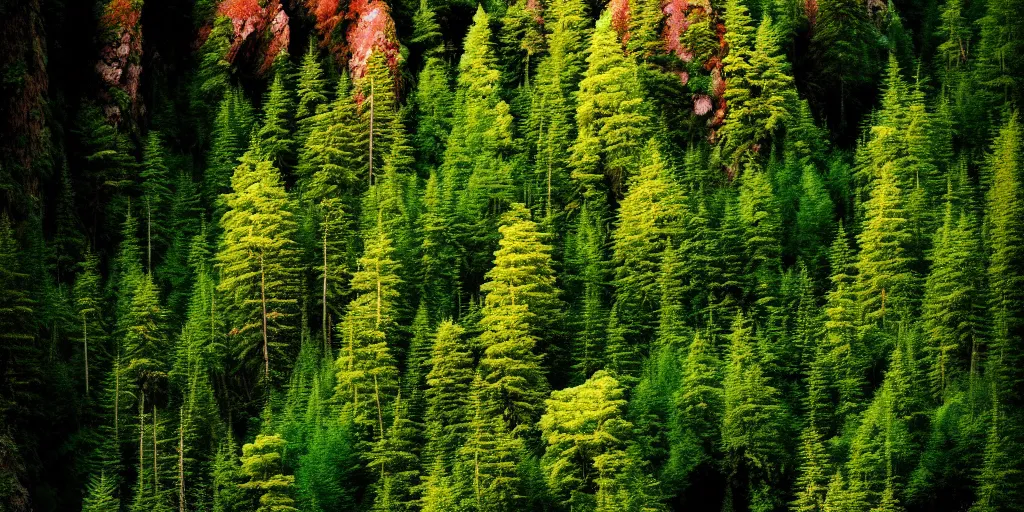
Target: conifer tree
440	255
844	46
752	420
258	264
583	427
1005	234
760	90
367	373
648	219
156	195
434	108
394	461
100	495
309	91
696	437
952	314
521	306
486	469
275	133
885	284
89	309
227	478
591	317
610	122
448	392
261	463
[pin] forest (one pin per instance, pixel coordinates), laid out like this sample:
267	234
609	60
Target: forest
514	256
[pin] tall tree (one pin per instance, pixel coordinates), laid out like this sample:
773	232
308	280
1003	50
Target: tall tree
258	264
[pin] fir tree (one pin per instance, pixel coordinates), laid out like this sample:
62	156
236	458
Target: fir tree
258	264
609	120
367	373
448	392
275	134
583	427
261	463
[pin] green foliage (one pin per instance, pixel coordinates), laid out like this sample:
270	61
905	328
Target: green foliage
258	264
610	124
261	463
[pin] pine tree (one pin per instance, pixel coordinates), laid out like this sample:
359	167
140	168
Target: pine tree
100	495
752	419
367	373
186	221
89	309
844	47
759	211
885	284
434	108
523	273
275	134
227	477
448	392
610	122
648	219
440	255
760	90
394	460
261	463
486	468
952	314
521	306
258	264
1005	234
309	91
590	310
582	427
695	433
553	106
228	141
812	485
156	195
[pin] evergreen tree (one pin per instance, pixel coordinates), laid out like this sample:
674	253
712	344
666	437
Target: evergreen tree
367	373
156	195
885	284
261	463
258	264
752	420
584	428
648	219
1005	234
448	392
100	495
486	468
309	91
760	89
275	133
610	122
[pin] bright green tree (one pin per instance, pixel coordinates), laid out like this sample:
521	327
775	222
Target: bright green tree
610	123
261	463
583	427
258	263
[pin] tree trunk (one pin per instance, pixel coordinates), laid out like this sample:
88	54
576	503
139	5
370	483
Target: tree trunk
263	300
85	341
181	459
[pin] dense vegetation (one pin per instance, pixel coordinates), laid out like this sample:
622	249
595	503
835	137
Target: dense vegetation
546	255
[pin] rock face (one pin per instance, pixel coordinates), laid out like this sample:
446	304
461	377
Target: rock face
261	32
23	112
120	64
371	29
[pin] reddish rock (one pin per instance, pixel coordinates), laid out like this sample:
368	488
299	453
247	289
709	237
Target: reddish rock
120	64
371	29
620	18
675	24
261	33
